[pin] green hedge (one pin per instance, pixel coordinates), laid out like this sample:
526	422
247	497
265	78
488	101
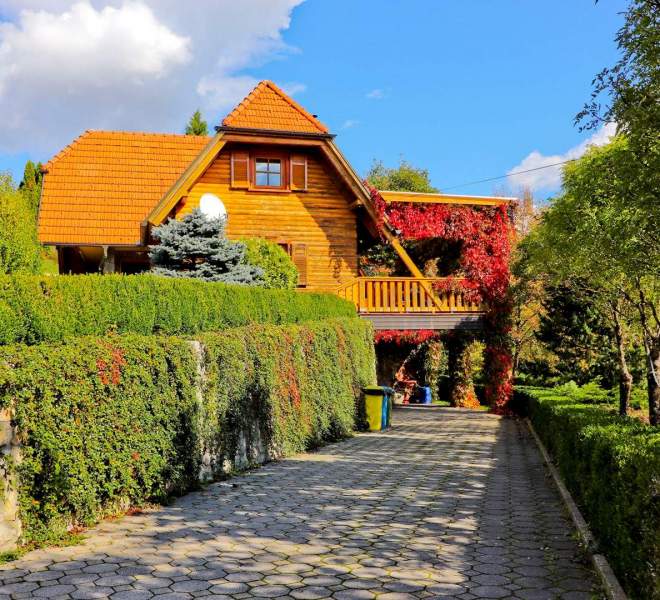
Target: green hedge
119	420
611	465
35	309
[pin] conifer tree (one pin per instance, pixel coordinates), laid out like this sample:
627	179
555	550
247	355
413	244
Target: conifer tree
31	184
197	125
196	246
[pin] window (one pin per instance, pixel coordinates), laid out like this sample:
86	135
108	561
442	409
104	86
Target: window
268	172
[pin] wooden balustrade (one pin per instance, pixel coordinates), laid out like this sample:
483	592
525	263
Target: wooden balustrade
404	295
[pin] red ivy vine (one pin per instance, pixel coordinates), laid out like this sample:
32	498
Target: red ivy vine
485	235
110	372
405	336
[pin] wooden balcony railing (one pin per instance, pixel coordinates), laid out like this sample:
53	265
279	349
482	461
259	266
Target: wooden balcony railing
404	295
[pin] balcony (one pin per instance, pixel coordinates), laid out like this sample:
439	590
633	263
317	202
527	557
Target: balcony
411	303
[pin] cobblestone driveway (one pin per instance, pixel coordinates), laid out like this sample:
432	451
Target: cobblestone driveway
448	504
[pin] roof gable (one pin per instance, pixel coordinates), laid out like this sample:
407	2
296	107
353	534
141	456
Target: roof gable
100	188
267	107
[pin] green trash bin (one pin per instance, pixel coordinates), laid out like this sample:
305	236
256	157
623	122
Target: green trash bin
378	406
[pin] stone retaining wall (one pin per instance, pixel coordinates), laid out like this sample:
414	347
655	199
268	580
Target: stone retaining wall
10	450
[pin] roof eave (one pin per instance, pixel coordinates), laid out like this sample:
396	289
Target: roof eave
95	244
440	198
275	132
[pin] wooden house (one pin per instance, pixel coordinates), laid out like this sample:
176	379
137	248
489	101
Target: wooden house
279	175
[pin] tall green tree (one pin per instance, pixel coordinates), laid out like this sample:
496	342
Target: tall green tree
628	94
197	125
19	250
31	184
599	233
404	178
574	328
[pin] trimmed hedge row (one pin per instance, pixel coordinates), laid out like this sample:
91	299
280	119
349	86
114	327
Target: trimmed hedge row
36	309
123	419
611	465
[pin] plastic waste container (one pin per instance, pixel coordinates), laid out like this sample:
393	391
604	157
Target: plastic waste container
422	395
425	395
378	406
388	399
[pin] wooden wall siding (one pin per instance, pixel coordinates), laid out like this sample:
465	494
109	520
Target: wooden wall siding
318	217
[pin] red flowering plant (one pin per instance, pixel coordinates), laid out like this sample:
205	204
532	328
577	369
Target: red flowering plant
484	233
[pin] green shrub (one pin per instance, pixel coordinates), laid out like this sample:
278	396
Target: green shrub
19	250
279	270
611	465
589	393
36	309
120	420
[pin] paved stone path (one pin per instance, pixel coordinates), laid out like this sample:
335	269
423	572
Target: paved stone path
448	504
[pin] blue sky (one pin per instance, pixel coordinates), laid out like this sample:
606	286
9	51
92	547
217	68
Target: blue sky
468	90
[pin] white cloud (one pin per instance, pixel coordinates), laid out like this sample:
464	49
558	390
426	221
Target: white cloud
293	88
547	177
67	66
221	92
376	94
94	48
348	123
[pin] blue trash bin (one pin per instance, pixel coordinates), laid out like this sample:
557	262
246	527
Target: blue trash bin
425	396
386	417
422	395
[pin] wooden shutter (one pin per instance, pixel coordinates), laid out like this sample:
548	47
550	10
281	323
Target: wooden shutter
298	177
240	169
299	258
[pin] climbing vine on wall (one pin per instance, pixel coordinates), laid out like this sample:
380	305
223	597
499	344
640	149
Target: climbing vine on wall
405	336
484	233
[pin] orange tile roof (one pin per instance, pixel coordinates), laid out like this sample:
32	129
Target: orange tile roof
100	188
268	107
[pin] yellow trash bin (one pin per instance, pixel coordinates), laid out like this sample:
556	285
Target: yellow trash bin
377	407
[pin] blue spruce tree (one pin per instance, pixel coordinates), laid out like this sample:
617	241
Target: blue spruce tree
196	246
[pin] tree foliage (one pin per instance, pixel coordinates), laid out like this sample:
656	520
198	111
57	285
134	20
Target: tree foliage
628	93
279	270
572	327
19	249
404	178
197	247
600	236
197	125
31	184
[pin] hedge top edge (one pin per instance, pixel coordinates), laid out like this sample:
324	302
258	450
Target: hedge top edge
35	309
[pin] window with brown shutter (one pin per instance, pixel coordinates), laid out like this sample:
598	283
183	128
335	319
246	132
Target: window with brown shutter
299	258
240	169
298	172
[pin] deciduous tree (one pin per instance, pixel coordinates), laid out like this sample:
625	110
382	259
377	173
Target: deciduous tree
404	178
599	232
19	250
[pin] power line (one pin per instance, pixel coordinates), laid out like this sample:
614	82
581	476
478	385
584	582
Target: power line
453	187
